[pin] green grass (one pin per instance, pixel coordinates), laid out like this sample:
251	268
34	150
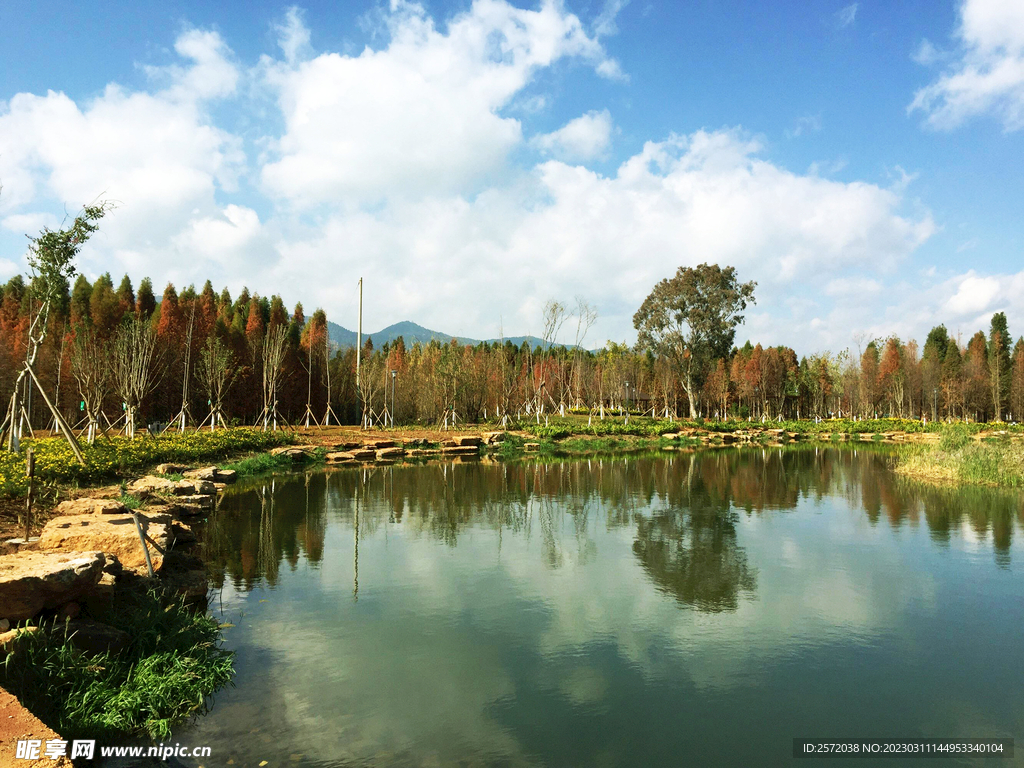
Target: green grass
119	457
130	501
959	458
561	427
172	663
262	463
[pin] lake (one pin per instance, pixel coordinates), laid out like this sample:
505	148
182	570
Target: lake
678	609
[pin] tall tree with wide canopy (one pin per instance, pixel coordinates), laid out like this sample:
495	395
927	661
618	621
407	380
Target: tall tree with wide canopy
691	319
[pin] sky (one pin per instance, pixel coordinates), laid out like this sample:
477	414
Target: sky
472	160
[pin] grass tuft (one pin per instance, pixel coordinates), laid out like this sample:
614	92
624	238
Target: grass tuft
961	459
172	663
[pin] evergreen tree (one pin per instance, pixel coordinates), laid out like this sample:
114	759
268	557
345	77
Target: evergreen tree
80	298
126	294
999	364
952	381
145	302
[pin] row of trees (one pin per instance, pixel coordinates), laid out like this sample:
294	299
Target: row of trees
982	380
115	356
977	381
103	357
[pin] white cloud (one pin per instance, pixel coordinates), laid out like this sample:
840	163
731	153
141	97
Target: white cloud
402	165
989	77
604	24
156	155
585	138
29	223
568	230
846	16
211	74
973	295
421	115
293	35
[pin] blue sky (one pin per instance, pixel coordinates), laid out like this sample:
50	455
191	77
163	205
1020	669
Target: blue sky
861	161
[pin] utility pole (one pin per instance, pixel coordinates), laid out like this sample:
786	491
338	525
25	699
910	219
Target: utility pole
359	358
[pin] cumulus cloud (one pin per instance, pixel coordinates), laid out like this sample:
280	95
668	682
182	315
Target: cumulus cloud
402	164
422	115
585	138
974	294
568	230
156	155
988	78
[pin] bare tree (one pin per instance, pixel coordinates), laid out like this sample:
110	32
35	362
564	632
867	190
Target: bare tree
217	371
273	350
136	366
554	317
90	364
586	316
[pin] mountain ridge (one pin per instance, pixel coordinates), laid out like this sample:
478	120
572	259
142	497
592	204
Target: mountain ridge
411	333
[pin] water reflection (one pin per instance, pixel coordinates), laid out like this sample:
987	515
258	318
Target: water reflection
685	609
683	509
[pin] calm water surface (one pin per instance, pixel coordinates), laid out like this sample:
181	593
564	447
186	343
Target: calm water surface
696	609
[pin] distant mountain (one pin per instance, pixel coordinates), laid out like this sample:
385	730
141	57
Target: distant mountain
411	333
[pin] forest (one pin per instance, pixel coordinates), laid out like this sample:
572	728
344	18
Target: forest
212	359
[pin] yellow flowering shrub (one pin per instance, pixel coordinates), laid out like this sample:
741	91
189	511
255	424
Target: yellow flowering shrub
118	456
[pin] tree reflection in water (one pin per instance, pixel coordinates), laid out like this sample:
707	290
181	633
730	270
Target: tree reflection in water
684	508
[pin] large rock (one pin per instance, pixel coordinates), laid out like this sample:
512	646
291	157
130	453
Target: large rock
359	454
115	535
493	438
89	506
32	581
203	473
339	457
460	450
199	500
150	485
295	453
169	469
425	452
226	476
463	440
194	487
192	585
390	453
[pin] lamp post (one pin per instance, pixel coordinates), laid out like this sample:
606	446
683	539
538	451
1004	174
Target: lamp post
394	373
627	402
